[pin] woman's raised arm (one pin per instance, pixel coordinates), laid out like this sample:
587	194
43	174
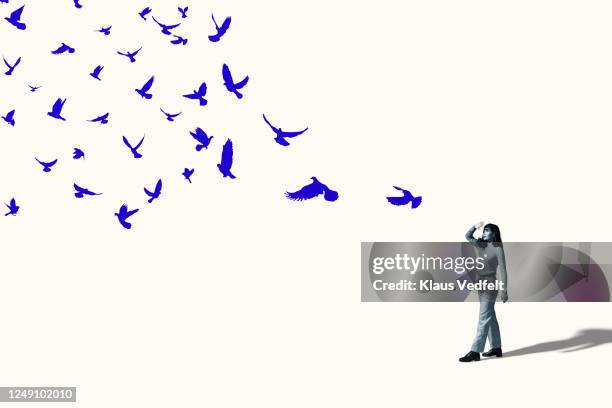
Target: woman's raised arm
470	234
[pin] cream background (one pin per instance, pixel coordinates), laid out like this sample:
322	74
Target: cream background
226	294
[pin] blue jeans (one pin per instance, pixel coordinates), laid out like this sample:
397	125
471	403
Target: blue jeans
487	322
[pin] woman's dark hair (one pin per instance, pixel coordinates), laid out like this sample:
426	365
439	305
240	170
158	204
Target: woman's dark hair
496	241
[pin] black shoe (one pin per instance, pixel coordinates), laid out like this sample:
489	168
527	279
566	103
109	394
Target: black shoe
497	352
471	356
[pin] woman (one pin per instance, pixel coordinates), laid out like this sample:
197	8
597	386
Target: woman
490	248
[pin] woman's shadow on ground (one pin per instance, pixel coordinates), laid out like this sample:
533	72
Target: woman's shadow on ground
582	340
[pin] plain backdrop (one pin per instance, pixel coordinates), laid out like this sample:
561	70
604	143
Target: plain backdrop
226	294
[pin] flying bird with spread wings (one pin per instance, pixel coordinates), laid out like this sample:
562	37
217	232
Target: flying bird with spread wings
143	14
105	30
220	30
10	118
406	198
144	91
170	116
15	19
96	72
10	67
78	154
62	49
56	110
123	214
81	192
202	138
312	190
198	94
12	207
47	165
153	195
178	40
134	149
229	83
130	55
227	160
165	27
187	173
281	135
103	119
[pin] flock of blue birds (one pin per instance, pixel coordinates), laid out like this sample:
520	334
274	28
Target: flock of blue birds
236	87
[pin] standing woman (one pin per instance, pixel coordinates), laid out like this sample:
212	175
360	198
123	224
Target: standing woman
490	248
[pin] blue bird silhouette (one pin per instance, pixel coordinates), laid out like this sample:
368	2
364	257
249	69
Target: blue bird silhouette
281	134
47	166
170	116
179	40
96	72
10	67
165	28
12	207
220	30
10	118
130	55
134	150
56	110
405	199
227	159
198	94
155	194
81	192
312	190
105	30
145	88
202	138
183	11
124	214
34	88
15	18
229	82
144	12
103	119
62	49
78	154
187	173
77	4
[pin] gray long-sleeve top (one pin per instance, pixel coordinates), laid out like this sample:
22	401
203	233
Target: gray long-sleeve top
494	256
